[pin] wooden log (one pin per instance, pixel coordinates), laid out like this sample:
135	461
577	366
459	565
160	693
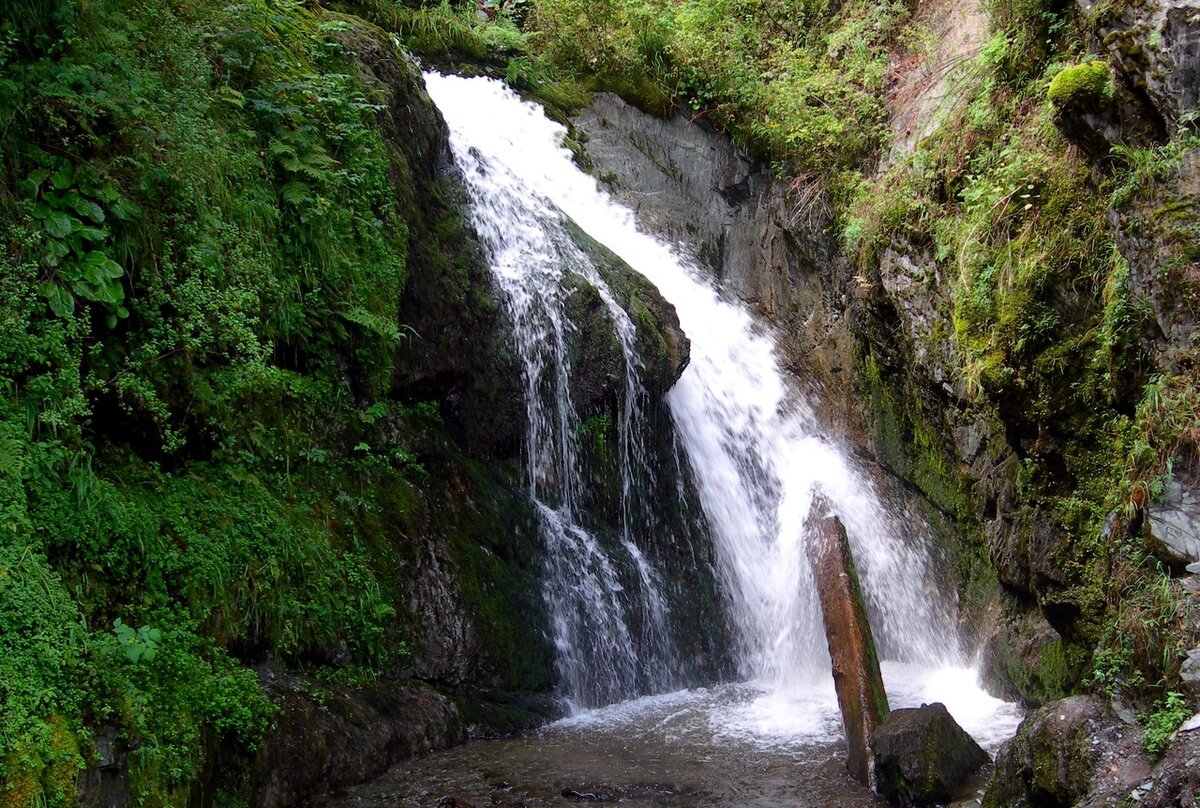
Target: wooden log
856	675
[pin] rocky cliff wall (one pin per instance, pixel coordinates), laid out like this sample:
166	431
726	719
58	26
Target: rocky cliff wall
882	340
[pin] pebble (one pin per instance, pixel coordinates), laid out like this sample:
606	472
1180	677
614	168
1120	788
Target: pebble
1194	568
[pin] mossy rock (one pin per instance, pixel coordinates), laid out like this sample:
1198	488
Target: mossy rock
1086	85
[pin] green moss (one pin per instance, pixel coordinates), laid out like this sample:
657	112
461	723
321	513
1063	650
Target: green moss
1082	86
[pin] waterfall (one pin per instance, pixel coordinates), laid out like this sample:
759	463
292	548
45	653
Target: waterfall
755	450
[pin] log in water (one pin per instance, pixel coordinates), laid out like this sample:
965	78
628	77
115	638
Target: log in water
856	675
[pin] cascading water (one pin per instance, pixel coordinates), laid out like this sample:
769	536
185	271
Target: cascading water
533	258
753	445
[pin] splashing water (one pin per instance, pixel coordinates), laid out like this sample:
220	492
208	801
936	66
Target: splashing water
754	446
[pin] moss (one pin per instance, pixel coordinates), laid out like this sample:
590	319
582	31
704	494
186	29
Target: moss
42	771
910	445
1087	85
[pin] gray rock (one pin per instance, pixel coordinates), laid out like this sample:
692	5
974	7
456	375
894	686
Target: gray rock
1175	780
1175	528
770	243
1156	50
1190	671
1194	568
923	757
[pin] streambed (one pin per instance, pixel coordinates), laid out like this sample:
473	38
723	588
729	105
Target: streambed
731	745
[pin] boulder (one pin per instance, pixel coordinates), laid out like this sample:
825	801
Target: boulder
1190	670
327	737
1173	529
1073	752
922	756
856	675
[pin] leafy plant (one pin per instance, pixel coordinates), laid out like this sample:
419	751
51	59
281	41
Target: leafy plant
1160	725
78	243
139	643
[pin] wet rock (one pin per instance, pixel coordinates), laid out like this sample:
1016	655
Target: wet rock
923	757
770	243
1155	48
454	802
1024	659
662	346
1173	529
1073	752
105	783
856	675
457	351
326	738
624	792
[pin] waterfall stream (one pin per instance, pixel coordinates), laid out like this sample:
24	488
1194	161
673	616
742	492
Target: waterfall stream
755	450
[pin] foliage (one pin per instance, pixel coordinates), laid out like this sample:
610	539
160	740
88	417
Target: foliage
201	260
799	82
1162	723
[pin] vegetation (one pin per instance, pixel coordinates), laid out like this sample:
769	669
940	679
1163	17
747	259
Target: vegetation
201	260
1088	84
1162	723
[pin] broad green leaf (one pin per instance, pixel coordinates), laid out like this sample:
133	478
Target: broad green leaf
58	224
85	207
62	179
60	300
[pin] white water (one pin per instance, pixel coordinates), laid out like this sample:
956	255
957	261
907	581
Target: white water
753	445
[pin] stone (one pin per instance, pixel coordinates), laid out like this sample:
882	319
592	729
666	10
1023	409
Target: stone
923	757
1072	752
856	675
1175	780
1174	528
1024	659
1190	670
1194	568
350	737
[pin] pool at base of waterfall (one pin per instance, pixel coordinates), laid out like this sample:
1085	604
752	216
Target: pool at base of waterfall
730	745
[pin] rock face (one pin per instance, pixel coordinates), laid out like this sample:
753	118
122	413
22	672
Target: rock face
856	675
1073	752
1156	48
1175	780
768	243
1173	528
327	737
469	545
1025	660
881	345
922	756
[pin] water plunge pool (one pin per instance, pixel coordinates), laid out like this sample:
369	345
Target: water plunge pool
732	745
